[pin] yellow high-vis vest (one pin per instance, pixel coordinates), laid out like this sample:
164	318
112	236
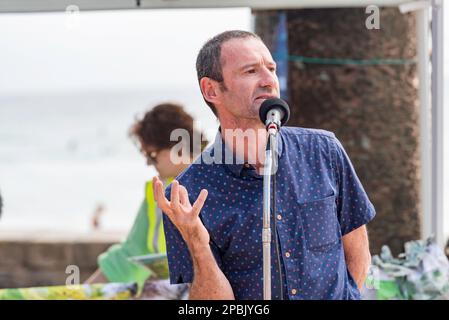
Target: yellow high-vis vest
155	236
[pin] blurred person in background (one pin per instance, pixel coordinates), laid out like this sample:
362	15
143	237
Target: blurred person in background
152	135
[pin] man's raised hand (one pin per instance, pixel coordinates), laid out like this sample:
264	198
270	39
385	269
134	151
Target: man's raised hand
181	213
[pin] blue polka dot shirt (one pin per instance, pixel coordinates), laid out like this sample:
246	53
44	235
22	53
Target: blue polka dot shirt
319	199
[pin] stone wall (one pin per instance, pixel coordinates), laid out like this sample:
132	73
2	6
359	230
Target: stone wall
41	259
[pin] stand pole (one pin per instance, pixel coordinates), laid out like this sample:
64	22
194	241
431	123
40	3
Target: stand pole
266	229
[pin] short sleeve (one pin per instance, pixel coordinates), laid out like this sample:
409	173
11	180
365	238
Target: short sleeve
354	209
179	260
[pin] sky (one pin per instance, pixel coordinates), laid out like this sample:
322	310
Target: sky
110	49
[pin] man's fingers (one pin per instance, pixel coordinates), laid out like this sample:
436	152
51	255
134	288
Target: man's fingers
174	197
179	195
183	195
198	205
160	198
154	188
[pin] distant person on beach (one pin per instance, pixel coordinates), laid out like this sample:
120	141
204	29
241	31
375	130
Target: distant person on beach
152	135
213	222
96	217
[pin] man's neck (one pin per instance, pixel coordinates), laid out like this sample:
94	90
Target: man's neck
247	139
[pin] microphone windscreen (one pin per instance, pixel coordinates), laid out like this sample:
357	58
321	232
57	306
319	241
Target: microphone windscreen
271	104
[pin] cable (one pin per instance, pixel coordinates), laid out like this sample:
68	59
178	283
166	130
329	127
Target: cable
281	284
364	62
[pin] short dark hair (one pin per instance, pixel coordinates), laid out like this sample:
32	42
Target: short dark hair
156	126
208	62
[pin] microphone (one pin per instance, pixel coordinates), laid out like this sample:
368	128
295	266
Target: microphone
274	113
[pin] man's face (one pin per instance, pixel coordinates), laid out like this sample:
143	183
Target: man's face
249	74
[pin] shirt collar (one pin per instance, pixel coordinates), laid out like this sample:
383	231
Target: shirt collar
223	155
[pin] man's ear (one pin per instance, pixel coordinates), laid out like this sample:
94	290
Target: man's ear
209	89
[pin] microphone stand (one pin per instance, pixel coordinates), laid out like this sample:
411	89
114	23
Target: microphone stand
270	160
273	112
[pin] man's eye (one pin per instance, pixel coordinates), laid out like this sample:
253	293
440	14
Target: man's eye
251	71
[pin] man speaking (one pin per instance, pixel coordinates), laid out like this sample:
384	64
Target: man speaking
213	209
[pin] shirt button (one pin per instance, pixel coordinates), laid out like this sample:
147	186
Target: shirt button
287	254
279	217
294	291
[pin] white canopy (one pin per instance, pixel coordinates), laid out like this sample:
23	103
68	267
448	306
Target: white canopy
61	5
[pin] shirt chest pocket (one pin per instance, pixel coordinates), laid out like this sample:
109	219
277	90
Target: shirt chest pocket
320	225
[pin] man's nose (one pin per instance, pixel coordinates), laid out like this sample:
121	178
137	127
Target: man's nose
268	78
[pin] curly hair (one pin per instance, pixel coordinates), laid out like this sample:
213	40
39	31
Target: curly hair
156	126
